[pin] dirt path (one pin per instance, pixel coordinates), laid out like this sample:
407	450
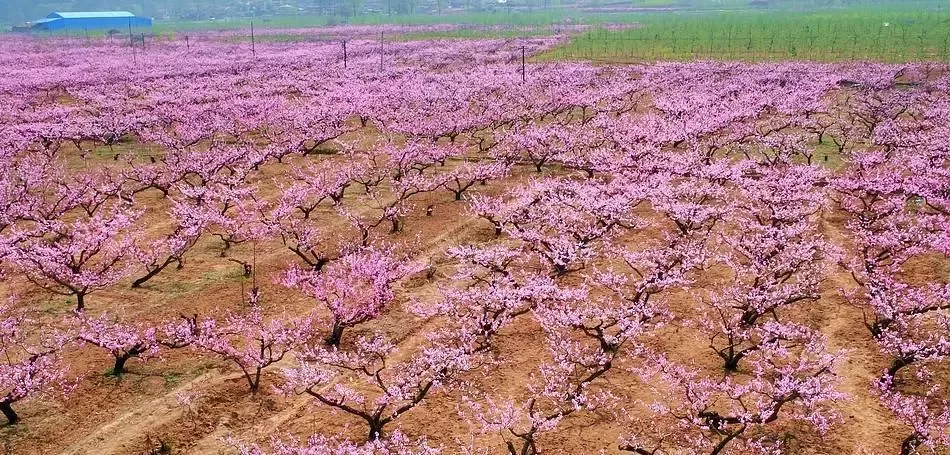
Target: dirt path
118	435
866	422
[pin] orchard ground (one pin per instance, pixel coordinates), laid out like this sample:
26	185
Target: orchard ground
296	105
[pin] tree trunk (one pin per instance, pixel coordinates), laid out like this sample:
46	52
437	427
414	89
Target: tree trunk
254	382
731	358
151	273
336	334
119	366
908	446
7	409
897	364
528	446
732	363
80	301
375	431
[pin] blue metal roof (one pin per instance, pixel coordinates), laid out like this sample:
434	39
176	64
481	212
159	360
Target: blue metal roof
90	14
96	20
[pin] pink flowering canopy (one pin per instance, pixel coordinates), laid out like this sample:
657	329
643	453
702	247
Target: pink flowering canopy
437	253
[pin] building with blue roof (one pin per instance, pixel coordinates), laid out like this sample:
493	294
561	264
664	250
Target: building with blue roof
95	20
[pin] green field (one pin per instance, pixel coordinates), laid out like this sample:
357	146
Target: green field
842	35
906	32
500	17
476	33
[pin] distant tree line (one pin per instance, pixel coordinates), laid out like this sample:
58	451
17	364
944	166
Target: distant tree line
19	11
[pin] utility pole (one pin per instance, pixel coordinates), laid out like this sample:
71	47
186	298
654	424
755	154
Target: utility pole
524	77
253	44
344	54
380	52
132	43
